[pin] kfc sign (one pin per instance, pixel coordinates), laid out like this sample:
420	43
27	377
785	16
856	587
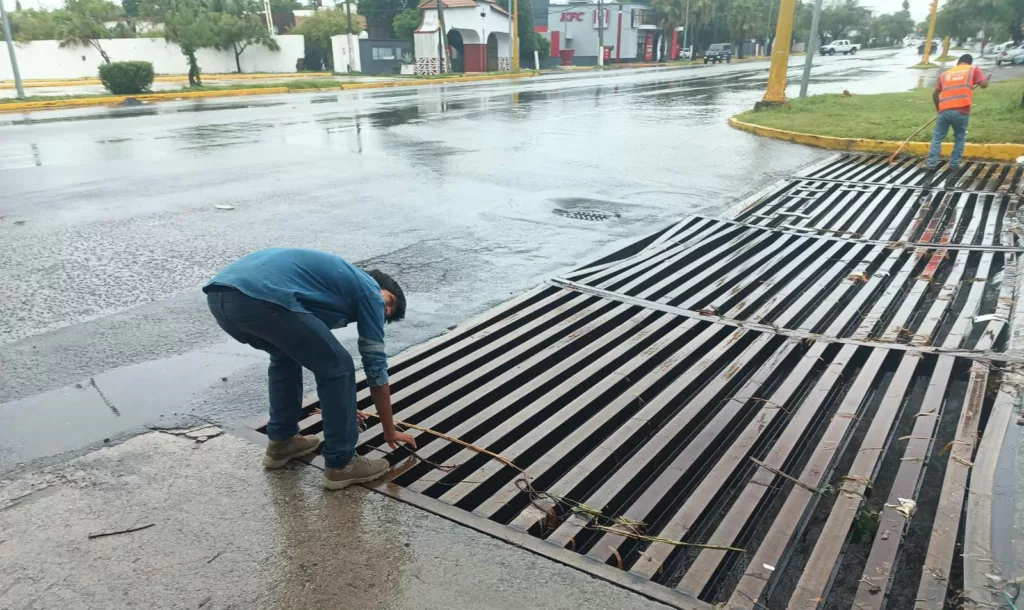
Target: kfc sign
572	16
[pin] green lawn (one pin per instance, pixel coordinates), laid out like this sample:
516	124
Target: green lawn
996	116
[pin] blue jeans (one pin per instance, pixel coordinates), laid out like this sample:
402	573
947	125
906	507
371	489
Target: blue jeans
295	340
958	121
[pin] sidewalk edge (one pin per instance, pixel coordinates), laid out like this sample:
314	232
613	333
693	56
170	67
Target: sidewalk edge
996	152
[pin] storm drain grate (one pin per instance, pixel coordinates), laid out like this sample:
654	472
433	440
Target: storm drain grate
746	391
595	215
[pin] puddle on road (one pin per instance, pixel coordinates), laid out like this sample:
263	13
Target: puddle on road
112	402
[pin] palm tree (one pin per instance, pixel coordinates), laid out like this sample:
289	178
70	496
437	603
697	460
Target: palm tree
82	23
670	13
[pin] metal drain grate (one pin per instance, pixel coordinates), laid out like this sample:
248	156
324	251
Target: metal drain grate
688	383
595	215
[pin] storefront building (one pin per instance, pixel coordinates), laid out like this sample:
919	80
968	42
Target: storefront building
631	33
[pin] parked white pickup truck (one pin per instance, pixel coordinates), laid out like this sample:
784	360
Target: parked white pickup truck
840	46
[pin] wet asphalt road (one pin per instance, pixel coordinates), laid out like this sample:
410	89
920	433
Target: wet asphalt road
109	222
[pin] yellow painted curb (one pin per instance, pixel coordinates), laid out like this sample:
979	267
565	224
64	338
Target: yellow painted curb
995	152
146	97
175	95
169	78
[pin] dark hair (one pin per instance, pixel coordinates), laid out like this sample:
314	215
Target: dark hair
386	282
965	59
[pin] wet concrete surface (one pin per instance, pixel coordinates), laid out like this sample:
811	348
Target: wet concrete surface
468	194
227	534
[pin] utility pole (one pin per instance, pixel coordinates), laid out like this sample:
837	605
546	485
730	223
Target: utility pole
348	35
776	93
812	45
515	35
270	16
768	28
446	57
600	33
686	28
927	57
10	49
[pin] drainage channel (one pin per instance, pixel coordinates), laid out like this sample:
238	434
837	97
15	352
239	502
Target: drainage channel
774	411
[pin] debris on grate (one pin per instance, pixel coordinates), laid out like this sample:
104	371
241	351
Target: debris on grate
595	215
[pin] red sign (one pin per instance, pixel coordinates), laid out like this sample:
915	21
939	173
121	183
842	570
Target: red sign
572	16
649	48
607	53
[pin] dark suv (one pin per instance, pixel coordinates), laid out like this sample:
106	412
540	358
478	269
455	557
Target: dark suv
718	53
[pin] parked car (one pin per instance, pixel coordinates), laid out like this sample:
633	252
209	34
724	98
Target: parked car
840	46
1012	54
719	52
686	53
936	47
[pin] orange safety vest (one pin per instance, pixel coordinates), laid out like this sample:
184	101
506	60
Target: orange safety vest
957	88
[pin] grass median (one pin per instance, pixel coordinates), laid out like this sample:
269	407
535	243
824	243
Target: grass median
996	116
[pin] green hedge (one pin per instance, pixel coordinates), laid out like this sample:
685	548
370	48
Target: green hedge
127	77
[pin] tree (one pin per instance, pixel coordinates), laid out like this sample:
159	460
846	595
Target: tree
283	6
190	26
670	13
238	32
317	31
524	29
406	23
82	23
842	16
380	15
29	25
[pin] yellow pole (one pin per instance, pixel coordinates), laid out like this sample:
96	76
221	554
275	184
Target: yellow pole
515	35
927	57
945	47
776	93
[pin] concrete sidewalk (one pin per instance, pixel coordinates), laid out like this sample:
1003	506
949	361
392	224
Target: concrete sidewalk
227	534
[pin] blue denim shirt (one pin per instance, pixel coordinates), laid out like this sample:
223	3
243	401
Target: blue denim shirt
319	283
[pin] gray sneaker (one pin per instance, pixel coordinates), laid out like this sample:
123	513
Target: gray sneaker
359	470
280	453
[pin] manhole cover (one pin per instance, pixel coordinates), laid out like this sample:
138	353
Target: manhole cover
586	214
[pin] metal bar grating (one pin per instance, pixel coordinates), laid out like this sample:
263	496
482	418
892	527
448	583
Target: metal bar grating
745	384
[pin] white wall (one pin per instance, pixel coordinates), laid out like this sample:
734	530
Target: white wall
45	59
339	48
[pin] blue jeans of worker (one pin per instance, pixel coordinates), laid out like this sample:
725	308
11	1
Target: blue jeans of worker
295	340
958	121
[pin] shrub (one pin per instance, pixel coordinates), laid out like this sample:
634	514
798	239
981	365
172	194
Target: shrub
127	77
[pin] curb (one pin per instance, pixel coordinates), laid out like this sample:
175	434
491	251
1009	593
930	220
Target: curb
994	152
178	95
169	78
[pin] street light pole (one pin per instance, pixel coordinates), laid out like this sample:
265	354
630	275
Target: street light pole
768	28
600	33
812	44
10	49
776	93
515	35
686	28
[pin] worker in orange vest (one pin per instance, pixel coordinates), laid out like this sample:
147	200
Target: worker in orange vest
953	96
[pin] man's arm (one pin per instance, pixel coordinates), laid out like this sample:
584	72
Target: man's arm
935	98
375	364
381	396
980	79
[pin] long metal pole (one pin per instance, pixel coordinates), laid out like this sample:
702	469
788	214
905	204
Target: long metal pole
600	33
10	49
348	35
768	29
686	28
812	44
446	58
